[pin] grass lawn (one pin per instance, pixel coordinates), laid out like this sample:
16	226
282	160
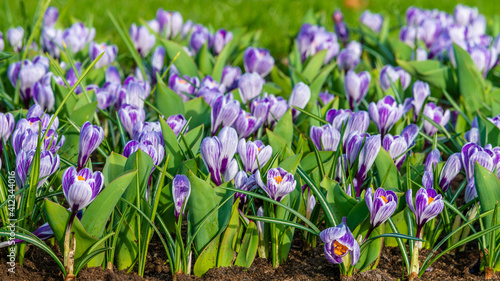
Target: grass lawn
279	20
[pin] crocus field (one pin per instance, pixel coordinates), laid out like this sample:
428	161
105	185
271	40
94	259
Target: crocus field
366	137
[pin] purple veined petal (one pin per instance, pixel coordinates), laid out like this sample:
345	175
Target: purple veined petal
112	75
50	16
421	91
250	86
79	195
410	133
68	179
387	141
372	20
428	179
409	200
330	138
210	154
300	96
181	189
333	233
450	170
383	213
432	209
231	170
258	60
315	134
228	140
264	155
433	159
221	38
470	192
91	137
352	146
367	155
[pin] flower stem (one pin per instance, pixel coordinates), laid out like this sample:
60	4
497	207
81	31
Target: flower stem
68	246
370	230
414	258
274	239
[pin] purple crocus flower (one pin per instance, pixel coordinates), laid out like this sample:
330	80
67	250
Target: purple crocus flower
326	97
313	39
157	61
246	124
170	23
367	157
77	36
7	124
49	164
244	182
2	43
396	146
209	94
50	17
224	112
299	97
250	86
181	189
483	58
352	146
91	137
109	56
450	170
200	37
129	115
142	127
28	73
280	183
389	75
349	57
44	232
340	26
372	20
81	188
217	154
430	165
430	30
356	87
260	108
339	242
357	122
436	114
258	60
419	55
421	91
464	14
72	77
254	155
15	36
325	138
277	108
177	122
428	204
221	38
43	94
183	85
142	39
385	113
230	77
339	116
381	205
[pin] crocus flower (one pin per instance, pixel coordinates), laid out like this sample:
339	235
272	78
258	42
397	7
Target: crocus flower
183	85
409	34
181	189
349	57
280	183
483	58
313	39
224	112
421	91
367	157
2	43
43	94
428	204
142	39
450	170
44	232
230	77
72	77
170	23
396	146
372	20
339	242
357	122
217	154
430	165
381	205
50	17
299	97
326	97
91	137
7	124
157	61
244	182
340	26
410	133
277	108
250	86
254	155
258	60
430	30
15	36
260	108
28	73
325	138
356	87
81	188
246	124
221	38
464	14
177	122
385	113
436	114
49	163
142	127
389	75
130	115
419	55
77	36
109	56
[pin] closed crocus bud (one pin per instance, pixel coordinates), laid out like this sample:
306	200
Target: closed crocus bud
109	51
280	183
130	115
7	124
483	58
358	121
183	85
181	189
2	43
410	133
300	96
157	61
247	124
221	38
149	145
428	204
349	57
356	87
217	154
142	39
419	55
421	91
464	14
340	26
339	242
244	182
325	138
250	86
396	146
338	116
177	122
81	188
254	155
50	17
260	108
367	157
28	74
91	137
258	60
230	77
326	97
430	30
381	205
390	75
49	164
433	160
450	170
473	136
353	144
410	34
414	16
277	108
385	113
170	23
200	37
15	36
224	112
43	94
77	36
436	114
372	20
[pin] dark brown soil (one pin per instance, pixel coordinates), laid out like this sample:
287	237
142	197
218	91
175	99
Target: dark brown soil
301	265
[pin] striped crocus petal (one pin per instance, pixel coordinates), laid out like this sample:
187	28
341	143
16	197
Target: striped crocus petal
315	134
450	170
250	86
330	138
383	204
299	97
339	241
428	179
410	133
432	160
210	154
224	112
91	137
181	189
428	204
352	147
228	139
367	156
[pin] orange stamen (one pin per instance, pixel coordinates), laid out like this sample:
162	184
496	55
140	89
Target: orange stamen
339	249
385	199
430	200
278	179
81	178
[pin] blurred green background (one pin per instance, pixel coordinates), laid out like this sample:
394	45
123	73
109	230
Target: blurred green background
279	20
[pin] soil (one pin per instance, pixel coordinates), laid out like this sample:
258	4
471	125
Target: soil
301	265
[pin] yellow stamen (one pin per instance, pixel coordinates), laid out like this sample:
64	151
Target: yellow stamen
339	249
182	81
258	148
80	178
278	179
430	200
385	199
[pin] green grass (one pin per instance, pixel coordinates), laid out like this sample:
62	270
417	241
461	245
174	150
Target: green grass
279	20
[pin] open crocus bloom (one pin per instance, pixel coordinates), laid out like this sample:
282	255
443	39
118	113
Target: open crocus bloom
339	241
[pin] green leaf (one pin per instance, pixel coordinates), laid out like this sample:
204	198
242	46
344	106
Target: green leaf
205	60
141	162
208	257
171	147
372	252
193	139
388	174
201	202
168	102
488	193
198	111
97	214
291	163
340	203
489	133
309	162
318	83
314	65
114	167
249	246
430	71
226	249
184	63
280	79
284	127
5	55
